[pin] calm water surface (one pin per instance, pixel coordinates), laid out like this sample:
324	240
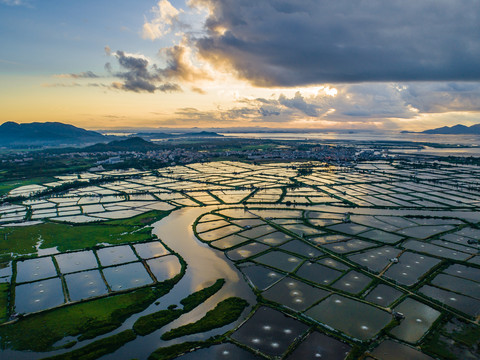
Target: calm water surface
205	265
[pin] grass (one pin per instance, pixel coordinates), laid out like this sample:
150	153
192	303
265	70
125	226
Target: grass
436	346
139	220
195	299
98	348
39	332
450	340
149	323
22	240
6	186
4	301
171	352
226	312
42	167
468	335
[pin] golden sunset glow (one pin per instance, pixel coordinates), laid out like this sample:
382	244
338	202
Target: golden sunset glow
193	63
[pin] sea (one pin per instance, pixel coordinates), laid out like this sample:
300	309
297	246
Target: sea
458	145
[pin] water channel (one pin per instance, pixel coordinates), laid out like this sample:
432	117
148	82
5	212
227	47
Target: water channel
205	266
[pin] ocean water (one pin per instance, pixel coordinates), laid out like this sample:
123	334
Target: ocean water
459	145
467	140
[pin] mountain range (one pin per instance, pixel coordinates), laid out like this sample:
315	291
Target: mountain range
58	134
130	144
454	130
48	133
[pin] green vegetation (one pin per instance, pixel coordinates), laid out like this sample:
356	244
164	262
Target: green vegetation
4	301
452	339
98	348
468	334
39	332
226	312
149	323
139	220
261	147
42	166
173	351
195	299
439	347
356	352
305	169
23	239
6	186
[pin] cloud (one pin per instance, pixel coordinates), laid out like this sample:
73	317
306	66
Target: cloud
198	90
367	101
285	43
136	74
83	75
266	111
372	101
353	103
179	66
299	103
169	87
75	84
192	115
380	104
55	85
99	85
443	97
14	2
165	18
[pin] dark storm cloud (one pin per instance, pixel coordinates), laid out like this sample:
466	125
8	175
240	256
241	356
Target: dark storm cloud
138	75
289	43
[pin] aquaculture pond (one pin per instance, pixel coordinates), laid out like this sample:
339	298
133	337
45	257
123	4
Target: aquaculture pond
269	331
358	262
293	294
418	319
260	277
76	261
337	311
84	285
39	295
320	346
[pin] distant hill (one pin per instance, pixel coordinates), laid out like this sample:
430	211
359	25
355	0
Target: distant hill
201	134
163	135
455	130
47	133
130	144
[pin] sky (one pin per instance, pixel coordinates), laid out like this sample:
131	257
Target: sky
330	64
